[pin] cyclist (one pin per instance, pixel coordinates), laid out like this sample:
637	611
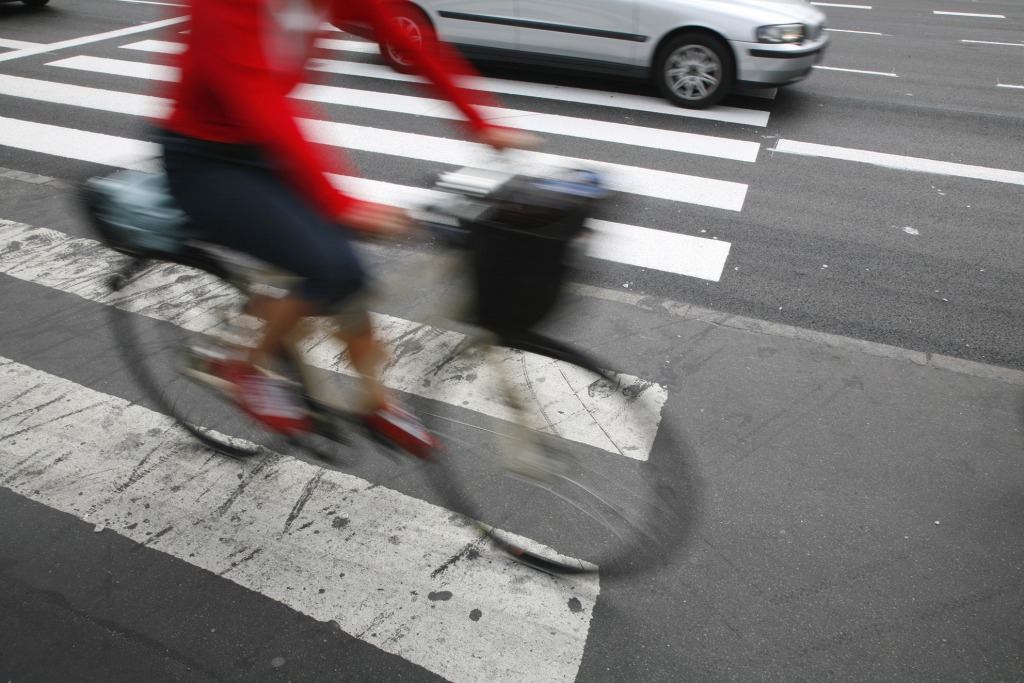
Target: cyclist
239	165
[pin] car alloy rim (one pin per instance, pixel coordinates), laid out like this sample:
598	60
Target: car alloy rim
412	31
693	72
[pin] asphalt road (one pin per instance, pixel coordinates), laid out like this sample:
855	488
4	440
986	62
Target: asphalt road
853	501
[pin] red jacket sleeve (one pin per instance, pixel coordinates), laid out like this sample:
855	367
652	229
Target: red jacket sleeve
235	82
438	61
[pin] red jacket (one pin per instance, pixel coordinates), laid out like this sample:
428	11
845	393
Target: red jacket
243	57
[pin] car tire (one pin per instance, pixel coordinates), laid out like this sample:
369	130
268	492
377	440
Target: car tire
415	24
694	70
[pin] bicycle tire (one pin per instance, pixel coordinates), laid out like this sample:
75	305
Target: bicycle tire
155	350
614	508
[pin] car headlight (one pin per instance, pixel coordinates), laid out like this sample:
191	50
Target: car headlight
783	33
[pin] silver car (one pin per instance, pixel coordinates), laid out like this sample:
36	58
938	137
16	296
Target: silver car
695	51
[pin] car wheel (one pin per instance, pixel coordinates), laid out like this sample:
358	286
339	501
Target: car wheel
694	70
35	3
416	26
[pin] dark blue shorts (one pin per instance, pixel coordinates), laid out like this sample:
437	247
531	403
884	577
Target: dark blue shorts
235	196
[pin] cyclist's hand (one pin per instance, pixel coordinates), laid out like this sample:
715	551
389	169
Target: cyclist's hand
501	138
378	220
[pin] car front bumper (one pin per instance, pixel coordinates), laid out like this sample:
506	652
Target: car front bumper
765	64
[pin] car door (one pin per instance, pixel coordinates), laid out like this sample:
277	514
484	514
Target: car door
481	23
601	30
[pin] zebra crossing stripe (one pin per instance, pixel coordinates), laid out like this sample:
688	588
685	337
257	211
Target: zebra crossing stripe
679	187
79	266
604	131
618	242
169	47
389	569
638	136
652	104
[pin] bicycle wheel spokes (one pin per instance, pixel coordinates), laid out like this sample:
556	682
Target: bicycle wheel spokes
553	498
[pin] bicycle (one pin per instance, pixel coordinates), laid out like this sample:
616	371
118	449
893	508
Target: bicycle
532	466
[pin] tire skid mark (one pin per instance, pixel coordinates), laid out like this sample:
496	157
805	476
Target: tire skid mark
242	485
237	563
307	493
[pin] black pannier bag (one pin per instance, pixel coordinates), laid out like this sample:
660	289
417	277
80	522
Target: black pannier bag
520	247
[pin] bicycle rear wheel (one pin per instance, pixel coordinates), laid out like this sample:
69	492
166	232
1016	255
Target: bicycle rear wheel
165	338
574	472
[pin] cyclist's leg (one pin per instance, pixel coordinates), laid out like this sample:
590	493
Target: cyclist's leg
245	206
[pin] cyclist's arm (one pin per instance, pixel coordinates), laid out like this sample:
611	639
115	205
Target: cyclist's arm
438	61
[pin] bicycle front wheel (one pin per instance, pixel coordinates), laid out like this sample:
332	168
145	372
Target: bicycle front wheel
166	341
573	471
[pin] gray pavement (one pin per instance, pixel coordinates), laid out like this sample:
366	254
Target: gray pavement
855	513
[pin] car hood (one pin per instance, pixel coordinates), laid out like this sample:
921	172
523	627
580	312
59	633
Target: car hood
763	12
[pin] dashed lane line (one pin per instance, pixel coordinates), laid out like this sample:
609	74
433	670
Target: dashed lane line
899	162
856	71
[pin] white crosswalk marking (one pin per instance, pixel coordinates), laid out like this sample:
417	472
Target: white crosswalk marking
637	136
749	117
679	187
389	569
680	254
78	266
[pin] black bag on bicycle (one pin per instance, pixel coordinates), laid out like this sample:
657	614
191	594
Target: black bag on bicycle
520	247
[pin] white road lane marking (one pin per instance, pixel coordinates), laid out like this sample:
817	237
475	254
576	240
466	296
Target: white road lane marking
836	4
1008	85
153	2
80	267
721	194
551	124
856	71
329	545
903	163
85	40
661	250
991	42
969	14
749	117
640	136
669	252
172	48
866	33
18	44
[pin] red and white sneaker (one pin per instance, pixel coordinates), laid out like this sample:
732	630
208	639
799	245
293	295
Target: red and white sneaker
403	429
269	400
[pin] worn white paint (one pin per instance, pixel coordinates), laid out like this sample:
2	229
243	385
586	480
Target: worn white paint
902	163
378	563
835	4
418	365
